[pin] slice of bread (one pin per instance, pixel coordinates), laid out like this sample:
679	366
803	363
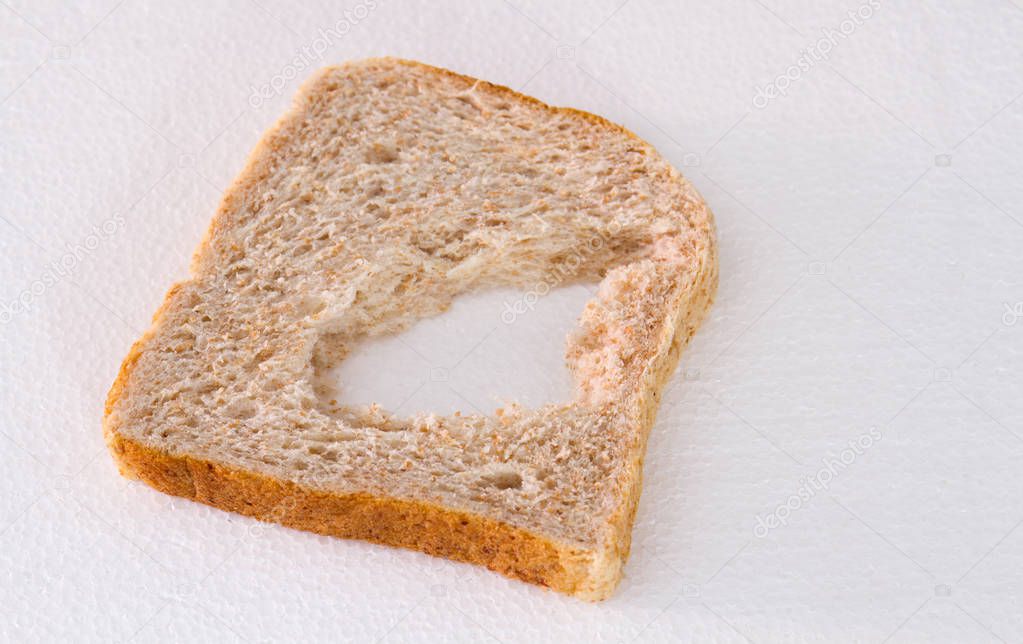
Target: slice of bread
389	189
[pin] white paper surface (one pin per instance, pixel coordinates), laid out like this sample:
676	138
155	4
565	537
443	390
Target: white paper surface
871	289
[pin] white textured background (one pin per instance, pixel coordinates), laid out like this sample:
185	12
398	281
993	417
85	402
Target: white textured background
871	280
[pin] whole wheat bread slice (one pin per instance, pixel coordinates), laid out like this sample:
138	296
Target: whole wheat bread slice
390	188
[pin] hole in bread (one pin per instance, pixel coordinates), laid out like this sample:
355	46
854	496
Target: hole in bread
488	349
322	452
382	153
241	409
311	305
502	478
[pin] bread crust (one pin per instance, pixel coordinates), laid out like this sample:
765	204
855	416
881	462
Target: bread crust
412	524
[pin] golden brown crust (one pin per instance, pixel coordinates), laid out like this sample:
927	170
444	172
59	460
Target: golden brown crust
416	525
394	522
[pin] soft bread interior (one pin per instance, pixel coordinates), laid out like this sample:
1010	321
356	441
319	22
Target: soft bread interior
389	191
